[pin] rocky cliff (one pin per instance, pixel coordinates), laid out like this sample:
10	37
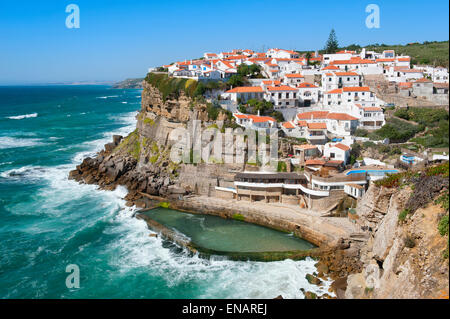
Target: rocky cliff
141	161
405	256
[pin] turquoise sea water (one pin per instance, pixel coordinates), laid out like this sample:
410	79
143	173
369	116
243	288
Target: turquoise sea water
48	222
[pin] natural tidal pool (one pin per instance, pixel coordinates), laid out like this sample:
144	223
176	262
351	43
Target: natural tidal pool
227	235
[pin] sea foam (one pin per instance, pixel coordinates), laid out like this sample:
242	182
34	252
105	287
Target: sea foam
20	117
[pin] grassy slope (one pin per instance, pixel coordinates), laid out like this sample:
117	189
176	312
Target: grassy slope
436	52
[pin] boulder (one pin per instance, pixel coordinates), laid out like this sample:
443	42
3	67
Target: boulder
313	279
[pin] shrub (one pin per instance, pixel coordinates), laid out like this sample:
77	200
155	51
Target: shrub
392	180
361	132
396	131
443	225
443	200
281	166
403	214
149	121
238	217
164	204
409	242
441	169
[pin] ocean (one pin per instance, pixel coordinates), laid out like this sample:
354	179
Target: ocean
48	222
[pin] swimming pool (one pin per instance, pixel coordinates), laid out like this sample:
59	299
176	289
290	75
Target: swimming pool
376	172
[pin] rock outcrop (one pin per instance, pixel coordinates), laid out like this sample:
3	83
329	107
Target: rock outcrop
403	256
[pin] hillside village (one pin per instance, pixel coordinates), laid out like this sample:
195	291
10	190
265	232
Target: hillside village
347	154
321	102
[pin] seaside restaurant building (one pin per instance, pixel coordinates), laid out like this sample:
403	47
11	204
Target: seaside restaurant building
268	187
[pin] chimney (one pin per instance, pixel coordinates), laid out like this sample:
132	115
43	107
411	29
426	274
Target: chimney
258	113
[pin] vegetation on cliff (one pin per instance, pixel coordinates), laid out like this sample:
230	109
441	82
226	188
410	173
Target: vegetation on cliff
169	86
429	52
434	121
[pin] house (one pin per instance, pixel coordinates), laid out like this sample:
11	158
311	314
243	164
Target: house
339	152
282	96
373	118
294	129
348	95
282	54
254	121
293	79
273	187
341	124
308	94
316	133
306	151
422	87
337	80
244	93
355	190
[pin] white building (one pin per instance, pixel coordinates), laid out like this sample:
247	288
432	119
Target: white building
244	93
282	96
254	121
339	152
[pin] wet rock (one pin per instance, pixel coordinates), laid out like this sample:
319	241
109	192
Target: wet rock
313	279
310	295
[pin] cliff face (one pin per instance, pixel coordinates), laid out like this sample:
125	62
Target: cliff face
403	256
141	161
179	109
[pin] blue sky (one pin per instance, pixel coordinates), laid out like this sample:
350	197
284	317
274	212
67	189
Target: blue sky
120	39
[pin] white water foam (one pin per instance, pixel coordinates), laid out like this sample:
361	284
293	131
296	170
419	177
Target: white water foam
13	142
107	97
20	117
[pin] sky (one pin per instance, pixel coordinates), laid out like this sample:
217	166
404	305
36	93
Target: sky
122	39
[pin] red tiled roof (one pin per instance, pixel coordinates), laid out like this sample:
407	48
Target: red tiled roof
246	89
313	114
341	117
260	119
306	85
342	146
373	109
294	76
385	60
335	91
280	88
331	67
355	60
306	146
356	89
288	125
422	80
317	126
314	162
345	73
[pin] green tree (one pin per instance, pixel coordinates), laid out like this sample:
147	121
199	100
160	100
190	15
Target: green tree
332	44
308	57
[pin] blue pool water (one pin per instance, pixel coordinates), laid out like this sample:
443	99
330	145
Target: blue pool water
375	172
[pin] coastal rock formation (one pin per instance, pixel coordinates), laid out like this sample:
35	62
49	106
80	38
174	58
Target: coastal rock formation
402	251
177	109
141	161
